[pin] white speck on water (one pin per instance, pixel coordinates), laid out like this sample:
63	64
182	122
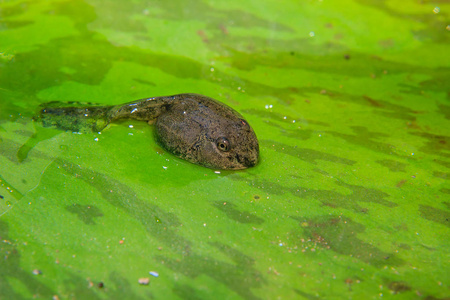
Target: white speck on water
217	172
280	244
86	115
312	34
268	106
130	133
436	10
164	167
153	273
96	139
204	224
130	126
285	117
212	69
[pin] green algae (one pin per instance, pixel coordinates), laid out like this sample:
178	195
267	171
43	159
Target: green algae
348	98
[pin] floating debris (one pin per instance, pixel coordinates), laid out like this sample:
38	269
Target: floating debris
37	272
144	281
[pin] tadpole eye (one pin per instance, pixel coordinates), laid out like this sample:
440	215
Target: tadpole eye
223	144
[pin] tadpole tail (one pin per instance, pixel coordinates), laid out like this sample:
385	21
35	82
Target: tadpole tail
74	116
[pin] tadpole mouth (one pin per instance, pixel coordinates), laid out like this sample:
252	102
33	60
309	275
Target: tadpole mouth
250	162
246	160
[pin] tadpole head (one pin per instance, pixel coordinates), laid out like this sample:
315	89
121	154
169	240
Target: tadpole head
234	146
208	133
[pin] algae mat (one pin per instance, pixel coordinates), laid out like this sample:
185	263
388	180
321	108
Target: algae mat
349	99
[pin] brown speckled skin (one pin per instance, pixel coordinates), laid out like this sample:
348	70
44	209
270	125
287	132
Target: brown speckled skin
193	123
188	125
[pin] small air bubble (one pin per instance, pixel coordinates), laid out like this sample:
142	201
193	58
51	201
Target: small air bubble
312	34
96	139
130	126
436	10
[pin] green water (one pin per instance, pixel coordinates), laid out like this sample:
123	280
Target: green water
350	102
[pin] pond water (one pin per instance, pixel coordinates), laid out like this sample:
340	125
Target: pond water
350	103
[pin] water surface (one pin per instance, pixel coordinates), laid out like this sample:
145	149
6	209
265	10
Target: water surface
349	100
